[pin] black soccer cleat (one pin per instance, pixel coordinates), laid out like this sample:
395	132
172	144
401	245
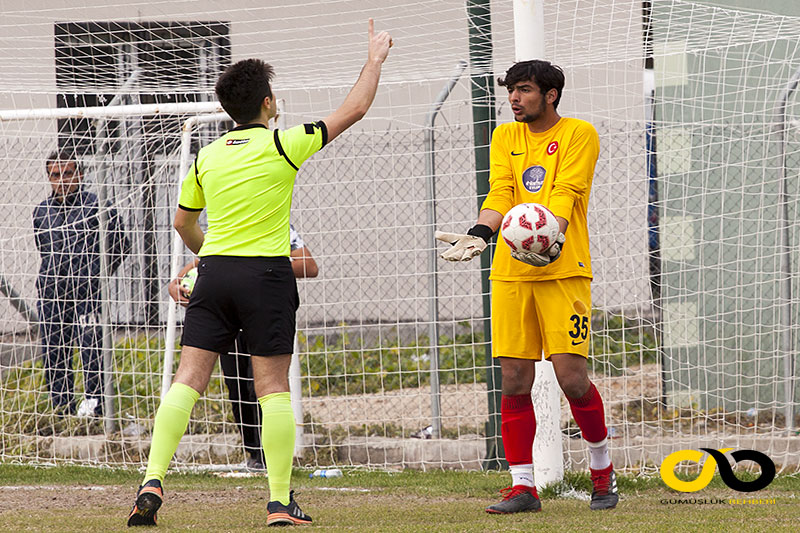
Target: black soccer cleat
148	500
604	494
286	515
254	462
517	499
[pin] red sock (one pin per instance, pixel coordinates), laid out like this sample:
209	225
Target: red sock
518	428
589	415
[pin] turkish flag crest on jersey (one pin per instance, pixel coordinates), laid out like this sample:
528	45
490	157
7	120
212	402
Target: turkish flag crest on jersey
552	147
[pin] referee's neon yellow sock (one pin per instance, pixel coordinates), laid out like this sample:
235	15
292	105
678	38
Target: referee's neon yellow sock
277	438
170	424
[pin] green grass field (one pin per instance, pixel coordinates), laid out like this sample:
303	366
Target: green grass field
96	499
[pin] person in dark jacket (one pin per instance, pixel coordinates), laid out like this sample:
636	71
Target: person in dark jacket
67	232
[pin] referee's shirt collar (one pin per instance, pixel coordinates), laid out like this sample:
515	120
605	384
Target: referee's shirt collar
249	126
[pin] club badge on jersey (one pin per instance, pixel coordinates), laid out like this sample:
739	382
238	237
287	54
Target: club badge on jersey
533	178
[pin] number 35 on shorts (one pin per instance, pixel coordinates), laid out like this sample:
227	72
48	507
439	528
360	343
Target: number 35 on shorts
579	328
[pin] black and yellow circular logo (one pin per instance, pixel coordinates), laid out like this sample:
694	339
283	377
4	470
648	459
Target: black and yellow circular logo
717	458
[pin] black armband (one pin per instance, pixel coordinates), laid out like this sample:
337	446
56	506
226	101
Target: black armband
483	231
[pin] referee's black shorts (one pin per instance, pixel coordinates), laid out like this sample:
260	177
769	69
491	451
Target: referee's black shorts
255	294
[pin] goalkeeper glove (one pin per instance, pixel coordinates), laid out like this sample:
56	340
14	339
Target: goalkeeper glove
465	247
544	258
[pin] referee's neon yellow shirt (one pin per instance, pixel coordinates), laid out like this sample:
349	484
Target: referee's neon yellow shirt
244	180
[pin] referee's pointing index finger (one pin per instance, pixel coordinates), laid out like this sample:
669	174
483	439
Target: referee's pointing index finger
371	28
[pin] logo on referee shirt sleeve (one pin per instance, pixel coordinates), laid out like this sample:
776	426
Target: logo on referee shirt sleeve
234	142
312	128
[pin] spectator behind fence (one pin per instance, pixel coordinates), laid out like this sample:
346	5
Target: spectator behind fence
67	232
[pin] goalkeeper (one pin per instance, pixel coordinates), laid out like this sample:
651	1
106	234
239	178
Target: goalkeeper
541	303
245	282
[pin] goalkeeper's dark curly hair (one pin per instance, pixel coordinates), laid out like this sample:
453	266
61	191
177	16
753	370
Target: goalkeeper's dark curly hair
543	73
242	88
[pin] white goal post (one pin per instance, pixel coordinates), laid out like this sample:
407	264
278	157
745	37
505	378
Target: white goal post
204	113
100	116
548	456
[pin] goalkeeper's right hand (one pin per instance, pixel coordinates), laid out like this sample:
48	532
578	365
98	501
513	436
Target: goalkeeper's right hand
544	258
465	247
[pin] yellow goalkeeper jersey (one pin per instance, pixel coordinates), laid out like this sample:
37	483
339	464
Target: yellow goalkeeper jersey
553	168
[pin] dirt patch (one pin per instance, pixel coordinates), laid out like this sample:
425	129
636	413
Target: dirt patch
64	497
462	406
637	382
60	497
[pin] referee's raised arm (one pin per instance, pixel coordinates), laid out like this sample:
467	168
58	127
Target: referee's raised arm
358	101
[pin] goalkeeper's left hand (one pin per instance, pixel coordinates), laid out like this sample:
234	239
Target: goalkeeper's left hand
465	247
544	258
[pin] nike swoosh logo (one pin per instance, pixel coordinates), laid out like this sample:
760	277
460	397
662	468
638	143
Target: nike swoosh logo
575	343
512	153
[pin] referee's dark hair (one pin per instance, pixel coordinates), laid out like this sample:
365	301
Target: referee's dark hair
242	88
62	156
543	73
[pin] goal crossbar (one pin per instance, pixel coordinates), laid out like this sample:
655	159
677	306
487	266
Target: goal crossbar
9	115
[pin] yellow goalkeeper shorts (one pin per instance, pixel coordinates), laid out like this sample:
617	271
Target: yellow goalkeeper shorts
531	317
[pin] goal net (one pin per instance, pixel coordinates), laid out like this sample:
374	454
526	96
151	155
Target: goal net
693	220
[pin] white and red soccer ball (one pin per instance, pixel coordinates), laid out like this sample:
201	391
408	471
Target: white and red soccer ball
529	228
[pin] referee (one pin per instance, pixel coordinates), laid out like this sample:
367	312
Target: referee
244	181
